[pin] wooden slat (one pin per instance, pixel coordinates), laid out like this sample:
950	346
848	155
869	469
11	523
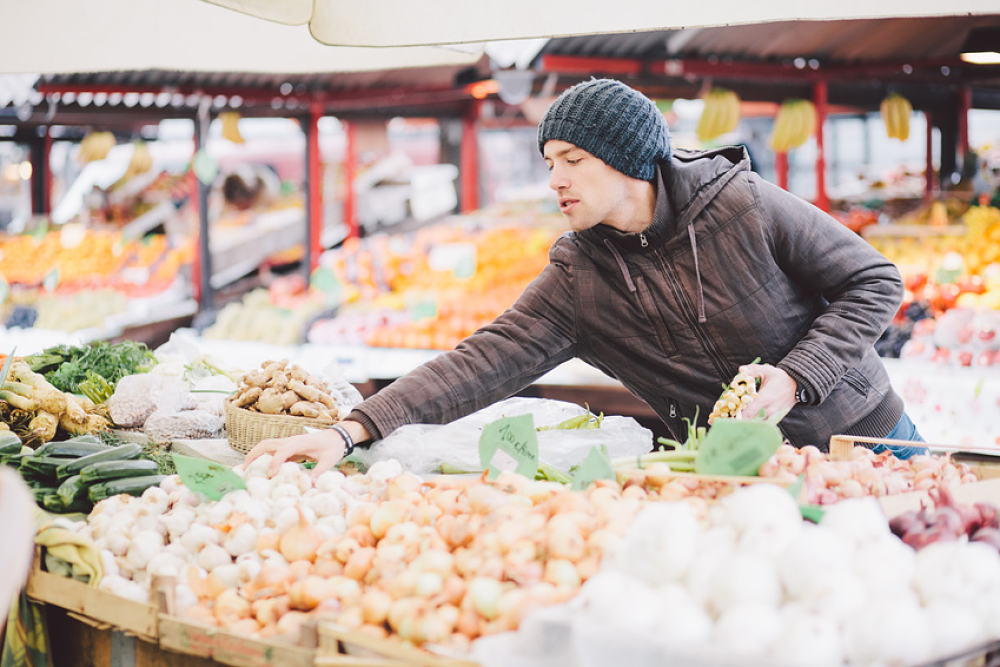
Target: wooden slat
396	651
135	618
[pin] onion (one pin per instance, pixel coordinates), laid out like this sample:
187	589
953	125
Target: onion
301	541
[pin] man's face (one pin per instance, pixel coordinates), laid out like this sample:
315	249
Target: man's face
590	192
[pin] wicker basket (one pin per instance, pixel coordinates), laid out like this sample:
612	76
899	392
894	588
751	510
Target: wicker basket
244	428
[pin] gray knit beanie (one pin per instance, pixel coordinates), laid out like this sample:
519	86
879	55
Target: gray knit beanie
611	121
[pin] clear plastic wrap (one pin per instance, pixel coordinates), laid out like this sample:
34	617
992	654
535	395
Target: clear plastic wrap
165	426
422	448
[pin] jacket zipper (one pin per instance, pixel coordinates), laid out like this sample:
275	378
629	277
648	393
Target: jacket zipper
642	240
717	358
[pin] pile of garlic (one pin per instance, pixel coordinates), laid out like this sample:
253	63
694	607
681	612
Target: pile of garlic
752	584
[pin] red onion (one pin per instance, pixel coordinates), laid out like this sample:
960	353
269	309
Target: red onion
989	536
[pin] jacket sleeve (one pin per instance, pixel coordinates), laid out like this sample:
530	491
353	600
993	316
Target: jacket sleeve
863	289
529	339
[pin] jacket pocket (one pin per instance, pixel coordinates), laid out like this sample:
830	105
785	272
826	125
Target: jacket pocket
655	319
858	381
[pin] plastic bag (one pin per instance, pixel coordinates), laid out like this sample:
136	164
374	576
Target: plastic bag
165	426
136	397
422	448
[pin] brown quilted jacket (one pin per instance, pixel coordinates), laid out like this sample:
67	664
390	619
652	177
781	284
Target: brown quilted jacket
732	268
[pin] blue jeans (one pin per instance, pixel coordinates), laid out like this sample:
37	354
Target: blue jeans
904	430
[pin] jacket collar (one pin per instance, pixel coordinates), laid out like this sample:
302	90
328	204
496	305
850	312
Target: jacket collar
691	177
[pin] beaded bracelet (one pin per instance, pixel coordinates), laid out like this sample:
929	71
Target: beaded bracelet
348	440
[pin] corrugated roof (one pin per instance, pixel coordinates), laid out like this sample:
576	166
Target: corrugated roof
837	41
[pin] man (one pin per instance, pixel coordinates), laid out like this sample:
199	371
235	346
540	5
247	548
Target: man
682	268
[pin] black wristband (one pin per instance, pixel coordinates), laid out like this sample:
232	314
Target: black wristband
348	440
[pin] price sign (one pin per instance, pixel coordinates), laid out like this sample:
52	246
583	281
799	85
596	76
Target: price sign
510	445
4	290
205	167
735	447
327	282
423	310
213	479
596	466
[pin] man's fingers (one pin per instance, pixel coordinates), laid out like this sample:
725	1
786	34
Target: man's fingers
258	450
282	454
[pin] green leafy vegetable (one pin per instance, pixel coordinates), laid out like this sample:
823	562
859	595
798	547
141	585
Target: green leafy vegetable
69	367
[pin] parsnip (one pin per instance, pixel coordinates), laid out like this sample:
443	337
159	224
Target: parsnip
75	412
44	425
19	401
49	398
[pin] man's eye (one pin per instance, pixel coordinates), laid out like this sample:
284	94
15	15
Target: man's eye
575	161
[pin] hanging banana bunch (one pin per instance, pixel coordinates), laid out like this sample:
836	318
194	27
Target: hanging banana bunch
896	111
96	146
230	126
796	122
141	162
720	115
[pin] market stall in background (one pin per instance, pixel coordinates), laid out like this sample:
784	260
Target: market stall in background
196	260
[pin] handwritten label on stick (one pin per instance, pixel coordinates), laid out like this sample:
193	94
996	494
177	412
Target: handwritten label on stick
213	479
734	447
510	445
596	466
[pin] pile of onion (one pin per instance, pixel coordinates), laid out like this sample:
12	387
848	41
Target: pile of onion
947	521
865	473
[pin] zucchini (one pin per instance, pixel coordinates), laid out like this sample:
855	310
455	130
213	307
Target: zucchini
70	449
41	491
42	465
133	486
52	502
72	488
105	470
9	443
124	452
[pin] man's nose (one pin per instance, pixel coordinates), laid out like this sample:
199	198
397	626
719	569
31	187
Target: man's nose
557	181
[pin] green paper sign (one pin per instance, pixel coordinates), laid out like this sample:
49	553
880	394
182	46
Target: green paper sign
4	290
213	479
812	513
424	310
736	447
596	466
327	282
205	167
510	445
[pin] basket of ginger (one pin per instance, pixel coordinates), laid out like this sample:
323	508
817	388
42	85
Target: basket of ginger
275	401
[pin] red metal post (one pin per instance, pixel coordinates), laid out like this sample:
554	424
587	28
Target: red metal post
350	201
195	206
964	105
929	169
781	170
315	194
469	160
819	100
47	171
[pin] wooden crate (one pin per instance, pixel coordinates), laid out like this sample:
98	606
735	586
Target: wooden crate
336	639
87	602
183	636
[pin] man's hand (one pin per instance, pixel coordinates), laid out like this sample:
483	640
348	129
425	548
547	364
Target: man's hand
776	394
325	447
